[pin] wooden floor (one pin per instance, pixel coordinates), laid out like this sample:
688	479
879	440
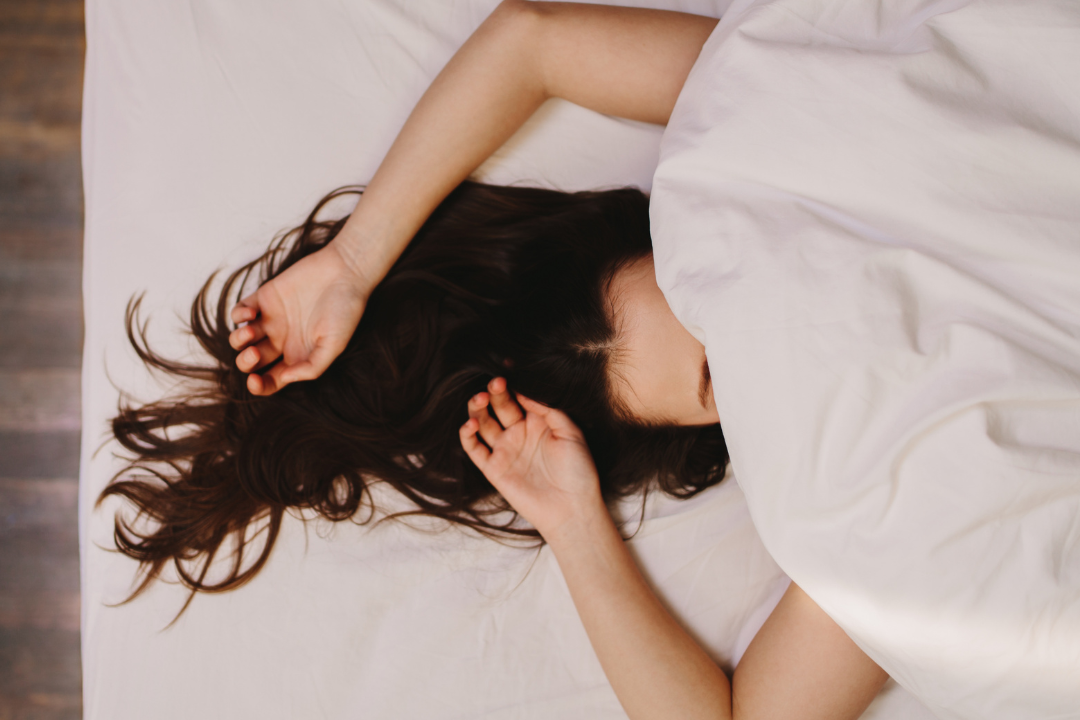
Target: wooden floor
41	64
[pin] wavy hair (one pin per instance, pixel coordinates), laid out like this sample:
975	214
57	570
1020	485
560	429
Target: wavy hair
499	281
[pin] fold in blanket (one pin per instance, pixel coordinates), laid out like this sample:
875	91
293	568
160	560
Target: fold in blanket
870	212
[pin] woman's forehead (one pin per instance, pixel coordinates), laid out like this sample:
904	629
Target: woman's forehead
657	371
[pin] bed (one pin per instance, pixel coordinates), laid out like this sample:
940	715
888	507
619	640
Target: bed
207	129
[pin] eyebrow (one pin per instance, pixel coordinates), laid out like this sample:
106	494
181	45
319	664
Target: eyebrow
706	384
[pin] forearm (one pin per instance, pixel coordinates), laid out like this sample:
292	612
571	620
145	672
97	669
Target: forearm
622	61
654	666
484	94
800	664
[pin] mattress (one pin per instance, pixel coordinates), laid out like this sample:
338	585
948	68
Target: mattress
207	129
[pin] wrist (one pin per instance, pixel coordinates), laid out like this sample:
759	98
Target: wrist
360	259
372	239
581	528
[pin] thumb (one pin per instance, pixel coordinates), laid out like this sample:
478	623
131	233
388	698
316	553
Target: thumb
280	375
313	365
557	420
303	370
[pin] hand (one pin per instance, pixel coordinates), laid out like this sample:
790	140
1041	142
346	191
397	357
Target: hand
538	459
305	316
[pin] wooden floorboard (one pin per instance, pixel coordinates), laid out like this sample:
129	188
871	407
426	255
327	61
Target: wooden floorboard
39	454
39	674
39	400
40	314
39	568
32	191
41	215
60	241
41	338
42	17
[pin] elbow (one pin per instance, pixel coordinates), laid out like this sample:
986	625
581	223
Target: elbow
520	16
521	24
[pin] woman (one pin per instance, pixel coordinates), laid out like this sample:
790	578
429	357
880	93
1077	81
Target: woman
630	63
499	281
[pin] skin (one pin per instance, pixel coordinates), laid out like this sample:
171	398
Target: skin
800	664
630	63
659	371
626	62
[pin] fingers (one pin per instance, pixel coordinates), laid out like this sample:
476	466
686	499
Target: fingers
277	377
245	311
481	431
246	335
257	356
284	373
557	420
502	402
475	449
250	339
488	428
271	380
532	406
257	386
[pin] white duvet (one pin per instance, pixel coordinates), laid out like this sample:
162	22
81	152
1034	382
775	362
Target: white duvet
870	213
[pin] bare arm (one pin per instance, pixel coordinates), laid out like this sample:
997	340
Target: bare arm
800	665
621	61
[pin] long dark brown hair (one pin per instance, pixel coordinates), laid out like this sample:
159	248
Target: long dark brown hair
499	281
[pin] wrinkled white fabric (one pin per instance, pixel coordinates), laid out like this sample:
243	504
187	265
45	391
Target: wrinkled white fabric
870	213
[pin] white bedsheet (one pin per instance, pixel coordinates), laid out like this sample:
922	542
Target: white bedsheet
870	212
208	128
